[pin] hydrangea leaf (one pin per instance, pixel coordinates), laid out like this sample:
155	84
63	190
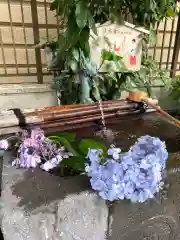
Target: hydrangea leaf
86	144
69	136
64	142
75	162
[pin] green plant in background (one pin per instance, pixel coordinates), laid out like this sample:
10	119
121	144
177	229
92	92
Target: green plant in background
79	80
111	84
175	89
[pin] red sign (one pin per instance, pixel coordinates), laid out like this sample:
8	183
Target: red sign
132	60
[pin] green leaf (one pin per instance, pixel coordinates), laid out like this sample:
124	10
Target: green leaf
84	41
63	142
117	95
116	58
106	55
73	65
85	144
87	48
152	38
54	5
81	14
109	56
75	54
171	13
69	136
92	24
96	94
75	162
112	76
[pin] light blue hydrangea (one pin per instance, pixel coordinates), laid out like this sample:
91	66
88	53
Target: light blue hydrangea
135	175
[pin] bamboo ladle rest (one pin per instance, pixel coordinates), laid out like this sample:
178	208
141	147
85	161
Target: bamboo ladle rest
142	97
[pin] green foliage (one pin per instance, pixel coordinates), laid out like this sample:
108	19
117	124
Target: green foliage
70	137
62	141
77	18
175	89
78	149
109	56
85	144
75	162
111	84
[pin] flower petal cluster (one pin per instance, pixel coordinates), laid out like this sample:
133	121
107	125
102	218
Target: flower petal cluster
135	175
4	144
36	149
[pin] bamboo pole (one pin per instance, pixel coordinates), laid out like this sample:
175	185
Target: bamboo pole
83	107
86	119
50	116
9	119
77	106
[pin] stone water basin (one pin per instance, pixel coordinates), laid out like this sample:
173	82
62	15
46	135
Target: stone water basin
38	205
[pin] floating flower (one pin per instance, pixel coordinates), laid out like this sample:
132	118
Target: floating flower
4	144
52	163
135	175
36	149
27	160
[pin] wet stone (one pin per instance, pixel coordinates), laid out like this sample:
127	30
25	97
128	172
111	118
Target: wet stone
158	219
38	206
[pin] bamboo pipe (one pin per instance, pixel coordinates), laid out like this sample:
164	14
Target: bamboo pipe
89	118
63	108
38	112
76	106
88	109
52	116
83	107
8	120
142	97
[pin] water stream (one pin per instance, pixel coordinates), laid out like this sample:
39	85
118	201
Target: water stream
104	133
102	115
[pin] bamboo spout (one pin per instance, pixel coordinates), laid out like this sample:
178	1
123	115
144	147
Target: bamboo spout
142	97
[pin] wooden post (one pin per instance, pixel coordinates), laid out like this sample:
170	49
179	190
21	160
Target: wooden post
176	50
36	40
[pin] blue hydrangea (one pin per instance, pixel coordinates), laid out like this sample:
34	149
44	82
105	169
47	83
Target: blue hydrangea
135	175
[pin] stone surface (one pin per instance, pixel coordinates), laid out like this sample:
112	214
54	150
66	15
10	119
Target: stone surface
25	96
38	206
158	219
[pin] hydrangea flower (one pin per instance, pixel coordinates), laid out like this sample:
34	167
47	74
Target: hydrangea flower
135	175
52	163
4	144
36	149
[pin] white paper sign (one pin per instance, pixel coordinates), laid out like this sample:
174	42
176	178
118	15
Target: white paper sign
124	40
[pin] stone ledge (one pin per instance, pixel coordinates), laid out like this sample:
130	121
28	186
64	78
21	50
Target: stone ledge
6	89
36	206
25	96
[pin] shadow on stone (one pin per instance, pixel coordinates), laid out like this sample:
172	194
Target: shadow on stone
1	235
41	188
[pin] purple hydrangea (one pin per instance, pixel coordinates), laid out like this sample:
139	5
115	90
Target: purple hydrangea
36	149
4	144
135	175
